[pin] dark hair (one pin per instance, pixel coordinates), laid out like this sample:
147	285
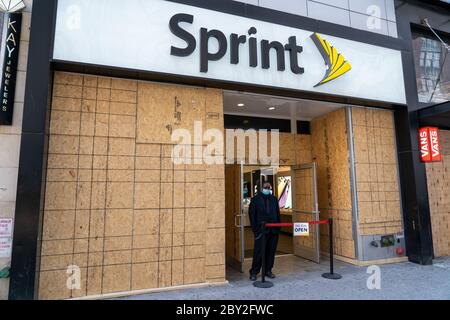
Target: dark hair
267	183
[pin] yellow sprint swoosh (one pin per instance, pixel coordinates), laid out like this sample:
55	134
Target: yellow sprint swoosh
337	65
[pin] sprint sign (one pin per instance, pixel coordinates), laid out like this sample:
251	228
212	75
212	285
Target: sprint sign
430	150
301	229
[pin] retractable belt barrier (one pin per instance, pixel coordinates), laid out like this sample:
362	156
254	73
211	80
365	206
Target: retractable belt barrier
329	275
275	225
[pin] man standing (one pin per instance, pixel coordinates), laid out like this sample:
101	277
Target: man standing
264	208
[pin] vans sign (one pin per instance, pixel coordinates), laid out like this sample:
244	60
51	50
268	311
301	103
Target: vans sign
430	150
173	39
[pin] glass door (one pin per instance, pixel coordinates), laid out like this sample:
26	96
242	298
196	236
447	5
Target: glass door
234	191
305	209
267	175
253	178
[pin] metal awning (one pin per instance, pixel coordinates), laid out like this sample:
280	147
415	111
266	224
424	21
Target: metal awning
437	116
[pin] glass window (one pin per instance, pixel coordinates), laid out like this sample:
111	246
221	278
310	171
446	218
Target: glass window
432	63
284	192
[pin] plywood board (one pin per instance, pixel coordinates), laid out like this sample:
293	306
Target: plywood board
376	172
154	99
331	153
115	202
438	180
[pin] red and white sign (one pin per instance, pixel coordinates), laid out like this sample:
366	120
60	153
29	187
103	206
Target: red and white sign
430	150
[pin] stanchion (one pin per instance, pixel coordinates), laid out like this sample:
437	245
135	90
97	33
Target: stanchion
263	283
331	274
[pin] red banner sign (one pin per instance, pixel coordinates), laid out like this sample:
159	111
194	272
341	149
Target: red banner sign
430	150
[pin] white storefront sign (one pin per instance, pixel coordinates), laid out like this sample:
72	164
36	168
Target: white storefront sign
301	229
199	43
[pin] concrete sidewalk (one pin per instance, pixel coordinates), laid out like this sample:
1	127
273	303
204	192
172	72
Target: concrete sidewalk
398	281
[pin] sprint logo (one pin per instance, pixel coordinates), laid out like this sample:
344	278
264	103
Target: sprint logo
259	50
336	63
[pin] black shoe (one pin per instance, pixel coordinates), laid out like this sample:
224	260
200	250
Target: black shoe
252	277
270	275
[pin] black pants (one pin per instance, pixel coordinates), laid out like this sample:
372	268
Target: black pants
271	248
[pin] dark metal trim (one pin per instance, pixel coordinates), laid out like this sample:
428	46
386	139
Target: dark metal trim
413	180
434	110
431	4
437	116
33	154
425	31
303	127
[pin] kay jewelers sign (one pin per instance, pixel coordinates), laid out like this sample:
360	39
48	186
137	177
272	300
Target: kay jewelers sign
11	21
175	39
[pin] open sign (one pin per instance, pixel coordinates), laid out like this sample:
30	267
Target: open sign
301	229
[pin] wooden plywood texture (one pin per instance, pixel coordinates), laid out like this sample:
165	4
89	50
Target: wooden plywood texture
438	178
232	206
177	108
302	144
331	153
339	173
376	172
287	149
116	204
303	201
155	99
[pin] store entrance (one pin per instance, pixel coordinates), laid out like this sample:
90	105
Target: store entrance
295	187
296	191
303	144
280	178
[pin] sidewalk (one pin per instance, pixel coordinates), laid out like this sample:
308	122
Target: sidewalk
398	281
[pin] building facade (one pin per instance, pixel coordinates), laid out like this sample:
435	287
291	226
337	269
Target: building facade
103	204
425	27
10	135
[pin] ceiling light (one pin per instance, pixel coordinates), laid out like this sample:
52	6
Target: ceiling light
272	108
241	105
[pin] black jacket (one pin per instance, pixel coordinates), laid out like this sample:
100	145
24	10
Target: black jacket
264	209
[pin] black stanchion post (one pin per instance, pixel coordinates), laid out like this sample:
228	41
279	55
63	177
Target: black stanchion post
263	283
331	274
330	224
263	266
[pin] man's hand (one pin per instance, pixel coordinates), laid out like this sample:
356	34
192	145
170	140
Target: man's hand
258	236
